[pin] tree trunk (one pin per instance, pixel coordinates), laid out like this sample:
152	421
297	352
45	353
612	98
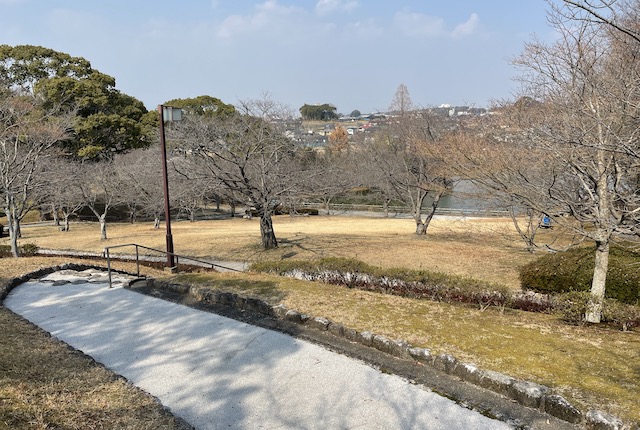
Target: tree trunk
266	231
417	216
594	307
13	227
528	236
15	250
56	217
103	227
13	224
432	211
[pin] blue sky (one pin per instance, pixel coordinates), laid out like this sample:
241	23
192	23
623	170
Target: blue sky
350	53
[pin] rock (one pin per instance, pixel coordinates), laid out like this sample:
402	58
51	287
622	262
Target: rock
422	355
258	306
60	282
350	334
319	323
528	393
296	317
597	420
400	348
467	372
382	343
227	299
557	406
365	338
280	311
445	362
336	329
495	381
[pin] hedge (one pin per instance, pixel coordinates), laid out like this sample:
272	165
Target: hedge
572	270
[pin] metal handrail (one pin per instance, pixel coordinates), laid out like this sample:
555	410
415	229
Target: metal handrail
106	254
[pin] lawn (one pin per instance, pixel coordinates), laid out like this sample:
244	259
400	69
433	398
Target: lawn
592	367
485	248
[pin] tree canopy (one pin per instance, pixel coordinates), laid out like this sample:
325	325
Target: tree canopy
203	105
323	112
107	120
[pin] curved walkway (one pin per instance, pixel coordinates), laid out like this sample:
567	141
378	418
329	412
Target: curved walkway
218	373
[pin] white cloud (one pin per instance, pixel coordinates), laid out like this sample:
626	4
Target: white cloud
419	24
326	7
466	28
265	15
364	29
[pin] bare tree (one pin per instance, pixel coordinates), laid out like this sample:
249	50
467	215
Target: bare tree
249	154
406	158
401	103
614	13
100	186
140	174
190	190
27	135
60	192
570	150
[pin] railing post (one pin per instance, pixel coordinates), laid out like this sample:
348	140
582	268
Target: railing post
108	266
137	262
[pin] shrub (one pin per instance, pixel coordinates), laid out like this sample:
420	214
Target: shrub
27	250
5	251
626	316
421	284
572	306
397	281
573	271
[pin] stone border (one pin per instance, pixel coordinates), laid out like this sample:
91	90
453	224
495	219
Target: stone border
526	393
6	288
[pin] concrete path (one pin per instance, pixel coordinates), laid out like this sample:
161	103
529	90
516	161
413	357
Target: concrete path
218	373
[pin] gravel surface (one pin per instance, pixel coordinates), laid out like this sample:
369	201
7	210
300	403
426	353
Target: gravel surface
216	372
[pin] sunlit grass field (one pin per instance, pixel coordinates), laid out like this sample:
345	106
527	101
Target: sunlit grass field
483	248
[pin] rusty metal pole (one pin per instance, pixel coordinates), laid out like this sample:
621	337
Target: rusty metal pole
167	211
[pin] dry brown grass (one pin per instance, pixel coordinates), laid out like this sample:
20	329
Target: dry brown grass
485	249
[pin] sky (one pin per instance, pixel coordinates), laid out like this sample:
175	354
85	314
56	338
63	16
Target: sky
352	54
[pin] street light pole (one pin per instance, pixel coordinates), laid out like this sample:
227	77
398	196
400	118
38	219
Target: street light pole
167	210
